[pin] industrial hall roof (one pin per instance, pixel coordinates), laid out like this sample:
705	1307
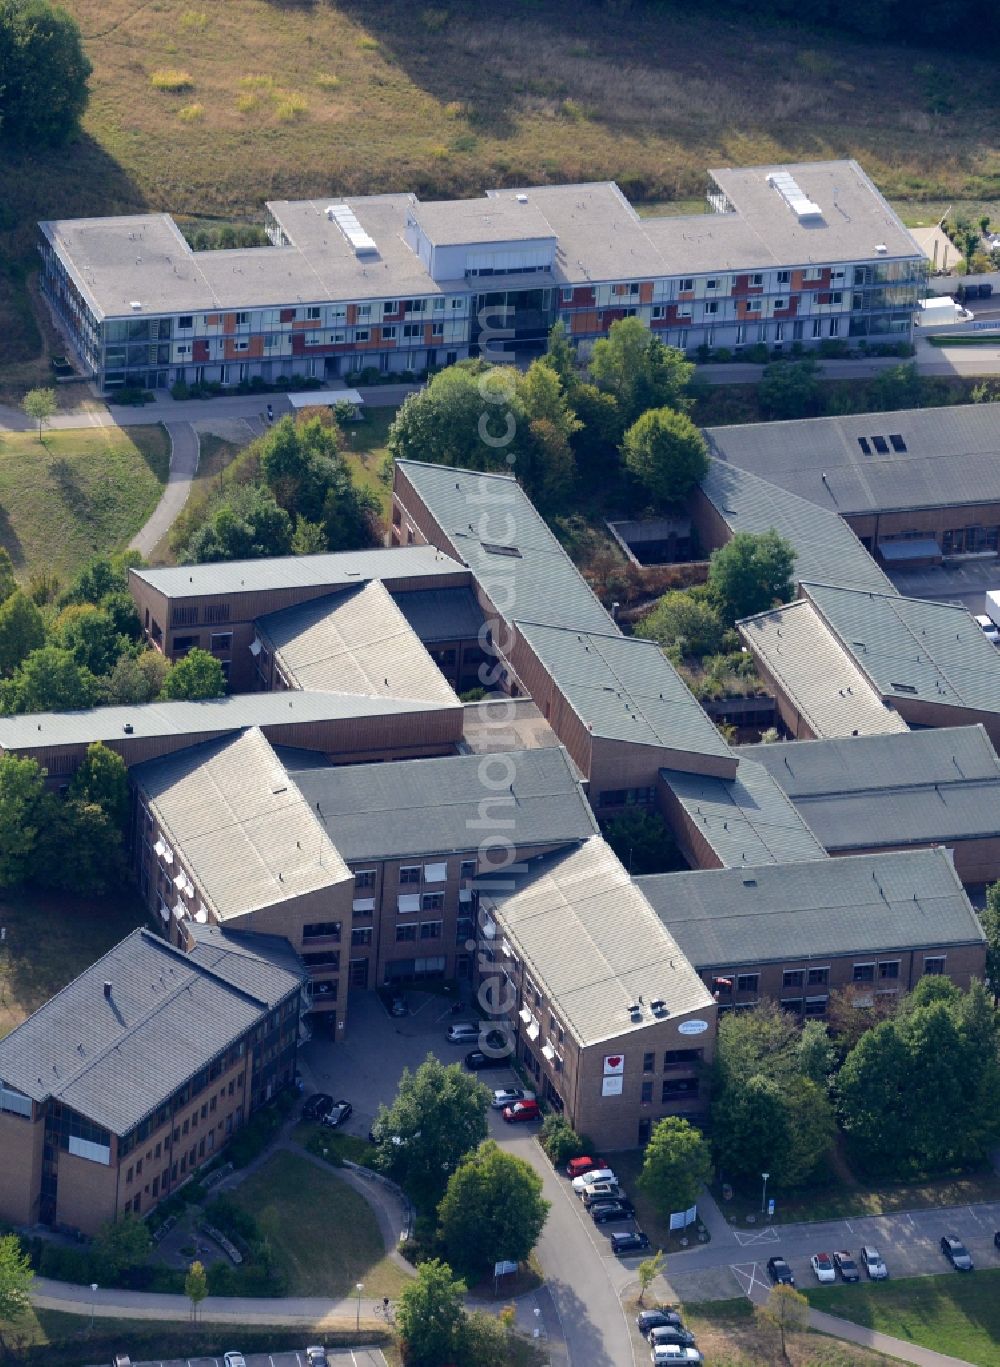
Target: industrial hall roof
747	820
432	806
238	825
875	462
116	1057
586	934
790	913
356	641
936	785
337	569
826	549
816	673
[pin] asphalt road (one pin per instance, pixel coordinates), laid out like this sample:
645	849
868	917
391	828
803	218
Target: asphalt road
347	1357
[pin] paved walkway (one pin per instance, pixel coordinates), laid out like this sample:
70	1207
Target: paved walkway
184	451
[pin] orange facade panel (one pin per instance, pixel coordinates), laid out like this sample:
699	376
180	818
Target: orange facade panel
646	292
229	322
352	314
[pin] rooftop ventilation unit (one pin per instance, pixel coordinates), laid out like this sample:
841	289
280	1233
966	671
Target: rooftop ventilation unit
347	221
788	188
881	248
135	305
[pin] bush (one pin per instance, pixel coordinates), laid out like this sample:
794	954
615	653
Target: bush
560	1141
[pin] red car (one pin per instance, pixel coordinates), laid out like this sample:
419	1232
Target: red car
521	1110
576	1167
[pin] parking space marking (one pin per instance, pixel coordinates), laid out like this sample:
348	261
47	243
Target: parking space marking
759	1236
850	1227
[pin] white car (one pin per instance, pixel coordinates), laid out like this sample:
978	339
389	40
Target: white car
234	1360
822	1265
672	1352
587	1179
506	1096
988	627
871	1261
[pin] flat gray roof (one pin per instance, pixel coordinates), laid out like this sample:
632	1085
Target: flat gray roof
915	458
356	641
525	572
431	806
442	614
338	569
586	934
115	1060
747	820
826	550
40	730
913	647
790	913
624	688
238	825
497	217
909	789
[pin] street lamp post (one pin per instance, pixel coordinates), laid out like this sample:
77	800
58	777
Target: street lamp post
763	1195
359	1287
93	1297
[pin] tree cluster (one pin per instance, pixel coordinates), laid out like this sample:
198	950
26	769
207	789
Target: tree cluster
43	73
291	493
555	427
72	843
83	647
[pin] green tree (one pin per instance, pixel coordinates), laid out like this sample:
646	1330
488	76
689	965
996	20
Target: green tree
43	73
49	680
15	1280
648	1271
121	1245
595	442
633	364
102	578
676	1166
8	581
197	675
102	778
817	1056
643	842
898	387
246	524
560	356
196	1286
79	847
990	918
438	1116
138	678
559	1140
22	630
492	1209
790	389
39	404
683	622
812	1128
666	454
89	633
430	1316
22	788
785	1310
751	574
750	1129
309	538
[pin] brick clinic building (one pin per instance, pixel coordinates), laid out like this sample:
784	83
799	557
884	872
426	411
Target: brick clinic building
786	254
131	1077
608	1015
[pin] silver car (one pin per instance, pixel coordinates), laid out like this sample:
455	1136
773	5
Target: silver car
871	1260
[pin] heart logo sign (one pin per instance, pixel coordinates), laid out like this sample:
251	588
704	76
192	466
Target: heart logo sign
614	1065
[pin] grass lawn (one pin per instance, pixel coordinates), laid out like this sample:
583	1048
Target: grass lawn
365	449
82	493
327	1143
728	1332
215	454
50	939
954	1313
322	1231
273	100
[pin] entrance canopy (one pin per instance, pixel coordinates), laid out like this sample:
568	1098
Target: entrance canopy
326	398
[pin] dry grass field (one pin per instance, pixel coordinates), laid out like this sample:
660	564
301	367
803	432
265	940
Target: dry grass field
209	107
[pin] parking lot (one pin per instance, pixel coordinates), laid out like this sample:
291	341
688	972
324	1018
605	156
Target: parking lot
336	1357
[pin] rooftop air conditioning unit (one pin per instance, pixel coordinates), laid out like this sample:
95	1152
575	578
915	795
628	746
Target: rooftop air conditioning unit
135	304
881	248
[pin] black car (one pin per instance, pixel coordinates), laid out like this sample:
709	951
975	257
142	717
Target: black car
846	1266
779	1272
671	1333
647	1320
629	1243
956	1253
603	1211
478	1061
317	1106
337	1114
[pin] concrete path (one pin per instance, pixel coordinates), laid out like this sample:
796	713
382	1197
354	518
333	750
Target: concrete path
184	450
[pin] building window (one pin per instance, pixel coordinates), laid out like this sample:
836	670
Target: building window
889	969
437	329
935	964
681	1058
817	327
432	901
430	930
781	303
712	306
409	873
361	935
792	977
783	277
389	334
313	313
185	321
242	320
753	305
647	1094
674	1087
404	933
818	977
756	280
797	331
413	329
686	285
816	1006
648	1062
741	334
365	878
659	311
793	1005
362	334
864	973
321	930
834	326
467	869
747	982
